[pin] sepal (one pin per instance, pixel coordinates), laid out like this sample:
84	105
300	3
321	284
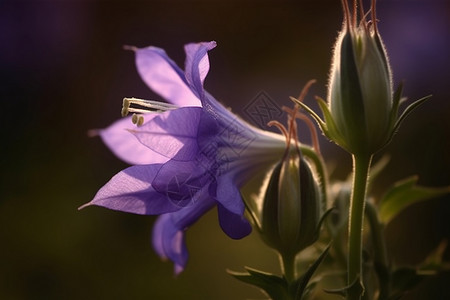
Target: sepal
278	288
302	286
407	111
274	286
395	120
327	126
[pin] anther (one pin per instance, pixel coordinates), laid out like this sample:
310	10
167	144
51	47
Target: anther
140	106
137	119
125	107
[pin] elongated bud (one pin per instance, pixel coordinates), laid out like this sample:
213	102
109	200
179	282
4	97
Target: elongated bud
292	207
360	93
362	111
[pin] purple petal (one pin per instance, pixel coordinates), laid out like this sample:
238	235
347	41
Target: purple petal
164	77
235	226
229	196
184	182
125	146
197	64
219	112
169	242
168	232
173	133
130	191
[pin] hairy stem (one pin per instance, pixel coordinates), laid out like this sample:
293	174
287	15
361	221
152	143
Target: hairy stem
361	166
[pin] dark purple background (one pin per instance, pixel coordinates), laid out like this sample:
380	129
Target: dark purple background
63	72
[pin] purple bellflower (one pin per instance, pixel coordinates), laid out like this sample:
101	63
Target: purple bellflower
188	156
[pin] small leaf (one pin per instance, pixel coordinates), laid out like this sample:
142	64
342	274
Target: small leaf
434	262
405	193
276	287
409	110
300	285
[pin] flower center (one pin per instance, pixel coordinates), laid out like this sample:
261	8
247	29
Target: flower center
140	106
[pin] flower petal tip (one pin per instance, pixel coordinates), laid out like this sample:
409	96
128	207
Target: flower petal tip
177	270
84	205
93	132
131	48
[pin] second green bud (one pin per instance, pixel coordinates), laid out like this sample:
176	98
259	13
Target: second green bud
291	209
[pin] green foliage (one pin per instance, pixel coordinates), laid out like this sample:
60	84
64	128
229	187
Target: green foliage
278	288
405	193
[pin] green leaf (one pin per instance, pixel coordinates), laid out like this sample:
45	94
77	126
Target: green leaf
276	287
300	286
405	193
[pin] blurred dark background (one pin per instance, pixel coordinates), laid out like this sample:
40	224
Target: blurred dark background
63	71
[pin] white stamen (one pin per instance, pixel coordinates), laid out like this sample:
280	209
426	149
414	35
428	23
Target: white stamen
144	106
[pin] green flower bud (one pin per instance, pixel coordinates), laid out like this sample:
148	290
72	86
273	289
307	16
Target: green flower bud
360	92
362	111
292	206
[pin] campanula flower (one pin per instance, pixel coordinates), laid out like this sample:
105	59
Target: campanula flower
189	155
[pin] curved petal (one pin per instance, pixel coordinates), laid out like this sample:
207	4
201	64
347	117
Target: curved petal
219	112
197	64
130	191
172	134
125	146
229	196
169	242
183	182
168	232
164	77
235	226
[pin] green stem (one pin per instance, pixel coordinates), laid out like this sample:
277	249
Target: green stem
288	265
380	252
361	166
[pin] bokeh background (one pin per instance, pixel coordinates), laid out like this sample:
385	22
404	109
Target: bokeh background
63	71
